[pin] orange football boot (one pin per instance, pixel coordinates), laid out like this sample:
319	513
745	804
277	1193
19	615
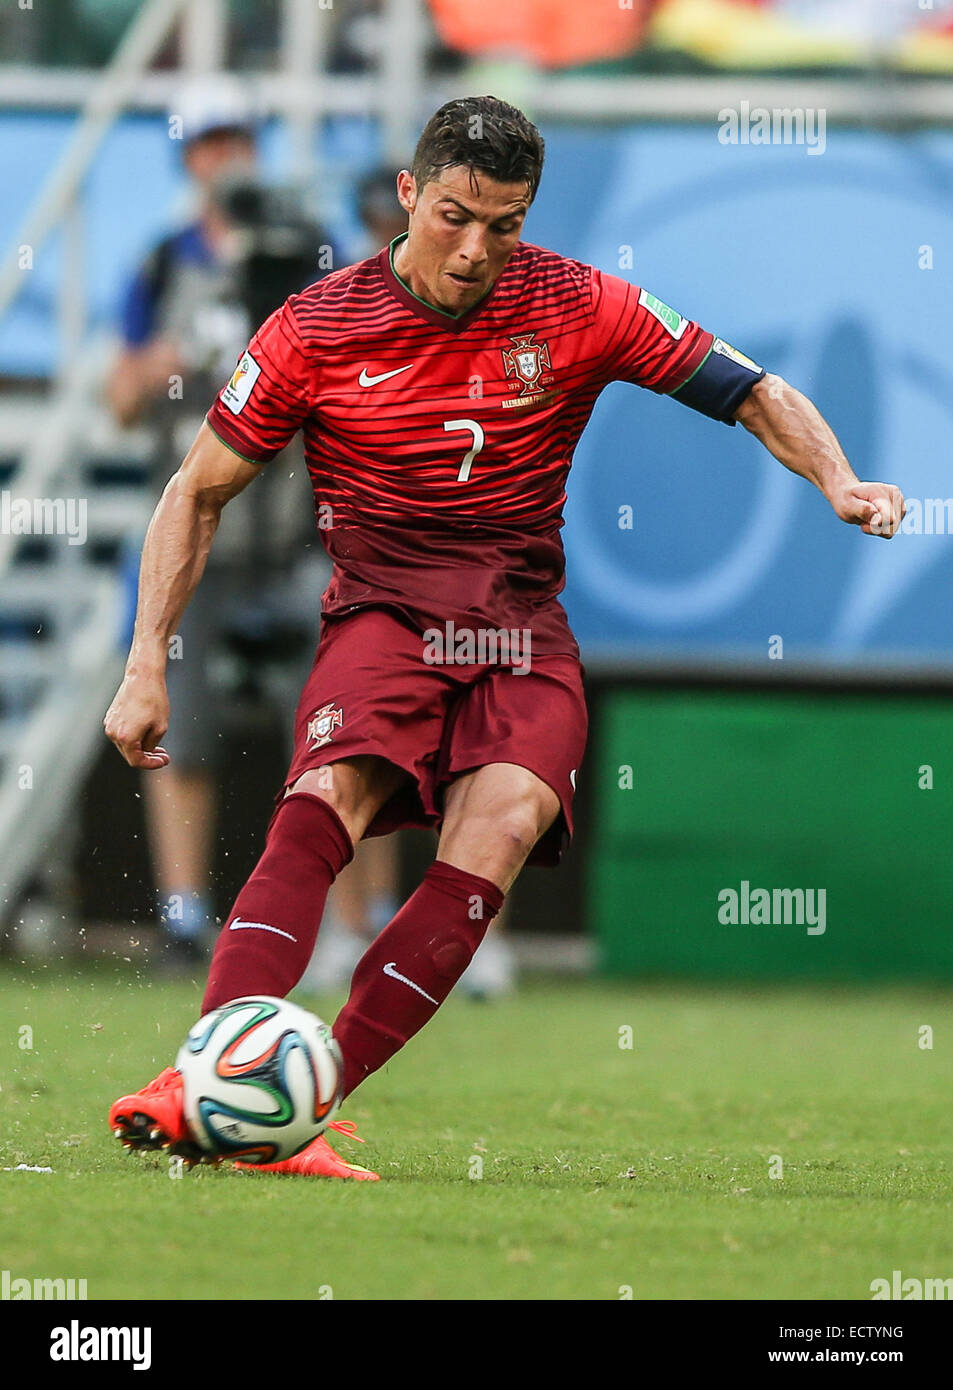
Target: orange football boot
319	1160
154	1118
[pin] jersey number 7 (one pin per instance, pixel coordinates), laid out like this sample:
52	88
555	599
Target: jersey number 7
479	439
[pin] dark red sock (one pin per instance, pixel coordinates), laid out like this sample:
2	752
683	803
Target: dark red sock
407	973
265	945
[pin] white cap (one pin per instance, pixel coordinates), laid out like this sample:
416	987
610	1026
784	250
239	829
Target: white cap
216	101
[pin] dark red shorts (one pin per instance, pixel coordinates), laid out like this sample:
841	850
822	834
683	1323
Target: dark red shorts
370	691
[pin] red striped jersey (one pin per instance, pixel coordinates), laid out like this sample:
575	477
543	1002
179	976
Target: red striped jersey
439	446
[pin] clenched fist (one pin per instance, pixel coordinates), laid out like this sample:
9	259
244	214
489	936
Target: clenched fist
877	508
137	718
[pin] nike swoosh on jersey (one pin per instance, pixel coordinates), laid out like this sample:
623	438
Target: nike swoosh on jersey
238	924
391	969
365	380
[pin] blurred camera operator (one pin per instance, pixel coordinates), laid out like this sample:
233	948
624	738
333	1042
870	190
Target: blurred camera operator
187	315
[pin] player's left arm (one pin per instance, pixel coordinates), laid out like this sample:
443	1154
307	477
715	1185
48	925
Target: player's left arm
792	428
645	341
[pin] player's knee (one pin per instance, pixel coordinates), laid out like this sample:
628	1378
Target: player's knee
519	827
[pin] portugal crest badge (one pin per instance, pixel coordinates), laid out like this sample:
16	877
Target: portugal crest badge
527	361
323	723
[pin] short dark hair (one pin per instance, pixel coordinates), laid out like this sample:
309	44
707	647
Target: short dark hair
486	136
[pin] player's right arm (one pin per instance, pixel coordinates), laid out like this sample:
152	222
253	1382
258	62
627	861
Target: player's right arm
173	558
253	418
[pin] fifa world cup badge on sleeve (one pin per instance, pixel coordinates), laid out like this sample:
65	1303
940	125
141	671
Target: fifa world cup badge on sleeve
668	317
236	393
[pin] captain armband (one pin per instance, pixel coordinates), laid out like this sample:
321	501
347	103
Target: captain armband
720	383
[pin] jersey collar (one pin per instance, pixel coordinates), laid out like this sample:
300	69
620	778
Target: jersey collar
452	323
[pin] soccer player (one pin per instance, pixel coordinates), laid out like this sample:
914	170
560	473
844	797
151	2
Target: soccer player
441	387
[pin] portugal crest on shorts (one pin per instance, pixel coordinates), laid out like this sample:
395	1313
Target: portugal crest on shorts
323	723
527	361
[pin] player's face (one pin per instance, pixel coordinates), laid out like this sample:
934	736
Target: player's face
461	233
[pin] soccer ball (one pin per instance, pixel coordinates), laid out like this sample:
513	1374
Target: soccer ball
262	1079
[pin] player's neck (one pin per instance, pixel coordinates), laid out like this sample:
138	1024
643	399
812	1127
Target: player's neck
403	269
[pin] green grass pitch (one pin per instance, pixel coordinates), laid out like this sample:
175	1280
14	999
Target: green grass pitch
604	1168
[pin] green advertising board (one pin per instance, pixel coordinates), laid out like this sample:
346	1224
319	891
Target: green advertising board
772	834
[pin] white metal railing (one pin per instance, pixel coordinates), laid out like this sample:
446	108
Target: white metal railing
204	36
47	461
878	98
301	93
57	741
402	76
305	42
55	692
106	99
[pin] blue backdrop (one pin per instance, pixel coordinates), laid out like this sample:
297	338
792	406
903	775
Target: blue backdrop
809	263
